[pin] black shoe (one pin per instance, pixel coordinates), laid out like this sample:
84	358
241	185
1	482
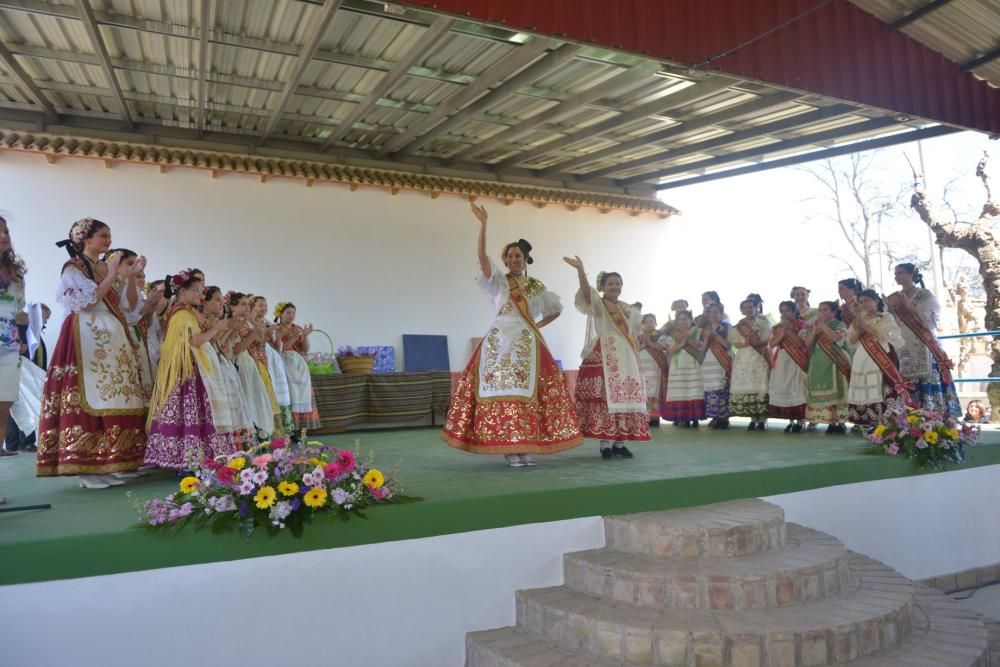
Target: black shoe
841	429
722	424
695	424
761	426
622	452
796	428
606	453
788	429
831	429
752	426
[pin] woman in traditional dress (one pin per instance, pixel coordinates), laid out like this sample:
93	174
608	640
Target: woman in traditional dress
654	367
800	295
230	412
752	365
875	376
181	425
829	369
676	306
790	365
275	364
13	328
684	403
294	343
512	399
848	289
95	395
153	312
717	366
922	361
261	411
261	334
610	392
707	299
131	297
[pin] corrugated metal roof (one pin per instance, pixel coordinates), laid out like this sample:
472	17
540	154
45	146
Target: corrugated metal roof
453	95
962	30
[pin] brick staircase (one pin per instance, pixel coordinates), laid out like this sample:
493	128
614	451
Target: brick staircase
730	585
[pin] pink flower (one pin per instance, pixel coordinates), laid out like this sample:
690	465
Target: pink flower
892	450
278	443
916	432
345	458
332	470
211	464
262	460
378	493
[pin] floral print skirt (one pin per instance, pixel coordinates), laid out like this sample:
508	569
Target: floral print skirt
592	407
182	434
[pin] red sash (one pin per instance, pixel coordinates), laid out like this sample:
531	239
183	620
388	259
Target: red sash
111	300
795	347
621	323
721	353
913	322
836	354
885	363
658	356
751	338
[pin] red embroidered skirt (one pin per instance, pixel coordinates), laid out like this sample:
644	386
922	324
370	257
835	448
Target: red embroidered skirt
546	424
72	441
592	407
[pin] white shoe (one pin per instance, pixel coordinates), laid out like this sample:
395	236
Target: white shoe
514	461
92	482
527	460
111	480
128	475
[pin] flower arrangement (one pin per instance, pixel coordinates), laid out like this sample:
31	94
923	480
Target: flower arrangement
930	438
346	351
276	485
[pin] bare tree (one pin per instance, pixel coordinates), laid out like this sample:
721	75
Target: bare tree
978	240
857	203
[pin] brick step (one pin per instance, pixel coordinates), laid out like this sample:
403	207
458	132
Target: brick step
944	636
833	630
725	530
993	637
813	565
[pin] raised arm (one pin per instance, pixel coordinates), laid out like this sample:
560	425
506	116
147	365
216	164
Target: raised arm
577	264
484	261
197	340
109	280
132	292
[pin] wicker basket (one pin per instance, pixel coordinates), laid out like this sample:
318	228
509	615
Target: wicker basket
356	365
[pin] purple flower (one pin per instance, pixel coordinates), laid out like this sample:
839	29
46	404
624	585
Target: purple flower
246	475
921	444
244	509
260	477
340	496
296	504
246	488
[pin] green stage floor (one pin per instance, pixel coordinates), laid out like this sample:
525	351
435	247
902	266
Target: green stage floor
92	532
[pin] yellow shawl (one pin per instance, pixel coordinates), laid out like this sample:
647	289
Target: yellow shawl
177	363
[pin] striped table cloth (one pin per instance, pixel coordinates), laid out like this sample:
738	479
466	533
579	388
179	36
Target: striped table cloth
345	400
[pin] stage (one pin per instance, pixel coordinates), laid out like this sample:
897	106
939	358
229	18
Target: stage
459	493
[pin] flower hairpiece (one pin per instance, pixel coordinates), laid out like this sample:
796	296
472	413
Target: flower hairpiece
78	232
280	308
181	277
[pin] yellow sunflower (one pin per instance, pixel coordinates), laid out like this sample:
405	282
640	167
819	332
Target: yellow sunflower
265	497
375	479
316	497
238	463
931	437
288	488
879	430
189	484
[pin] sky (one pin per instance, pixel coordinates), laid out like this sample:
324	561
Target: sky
765	232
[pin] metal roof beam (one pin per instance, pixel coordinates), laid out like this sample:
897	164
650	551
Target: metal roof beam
781	125
688	95
427	42
203	64
23	80
981	60
525	77
918	13
856	147
759	104
616	84
495	73
319	29
787	144
97	43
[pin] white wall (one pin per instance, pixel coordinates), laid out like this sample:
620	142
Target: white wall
364	266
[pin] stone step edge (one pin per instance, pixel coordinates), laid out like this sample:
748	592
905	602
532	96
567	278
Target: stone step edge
652	533
822	571
504	647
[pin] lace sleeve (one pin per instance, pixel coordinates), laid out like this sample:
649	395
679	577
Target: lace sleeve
545	304
582	305
494	285
76	291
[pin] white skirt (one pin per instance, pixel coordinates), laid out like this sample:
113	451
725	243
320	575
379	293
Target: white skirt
299	382
28	408
788	383
279	378
10	374
258	401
